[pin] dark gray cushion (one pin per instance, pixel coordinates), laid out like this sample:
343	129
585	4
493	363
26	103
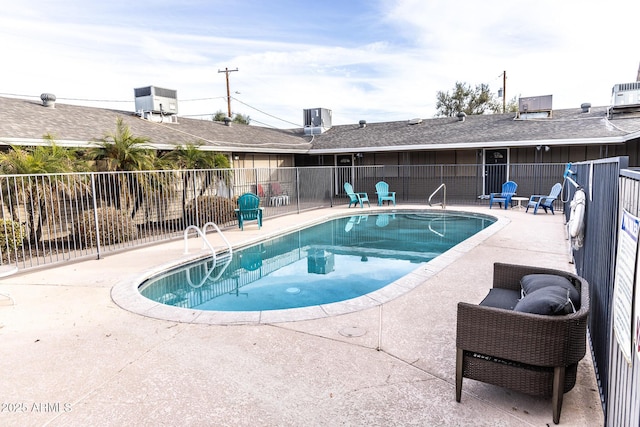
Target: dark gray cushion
549	300
533	282
501	298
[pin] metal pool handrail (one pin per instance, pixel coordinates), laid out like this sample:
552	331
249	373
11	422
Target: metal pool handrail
444	196
206	277
202	233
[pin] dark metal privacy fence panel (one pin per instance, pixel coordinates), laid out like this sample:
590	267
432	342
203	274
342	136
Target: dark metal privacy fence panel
623	379
595	259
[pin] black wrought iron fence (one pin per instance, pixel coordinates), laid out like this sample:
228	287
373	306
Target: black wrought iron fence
54	218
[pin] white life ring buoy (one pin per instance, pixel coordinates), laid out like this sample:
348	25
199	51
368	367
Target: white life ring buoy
576	219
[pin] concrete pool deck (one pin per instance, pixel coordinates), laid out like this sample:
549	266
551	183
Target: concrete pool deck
71	356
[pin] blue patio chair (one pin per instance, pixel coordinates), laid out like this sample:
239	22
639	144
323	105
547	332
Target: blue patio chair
382	190
545	202
508	191
249	210
355	198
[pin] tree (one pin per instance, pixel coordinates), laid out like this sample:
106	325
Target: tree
237	118
243	120
46	187
121	151
219	116
512	105
191	157
468	100
41	159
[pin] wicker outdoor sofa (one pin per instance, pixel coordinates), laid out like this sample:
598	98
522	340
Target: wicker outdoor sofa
536	354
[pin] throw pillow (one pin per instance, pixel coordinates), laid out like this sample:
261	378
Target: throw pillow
550	300
533	282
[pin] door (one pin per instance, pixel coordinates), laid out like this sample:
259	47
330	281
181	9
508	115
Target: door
344	172
495	170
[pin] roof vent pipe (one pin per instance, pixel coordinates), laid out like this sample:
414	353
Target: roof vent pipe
363	123
586	107
227	121
461	116
48	100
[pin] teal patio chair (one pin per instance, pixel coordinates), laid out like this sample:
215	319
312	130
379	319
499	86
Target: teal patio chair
508	191
545	202
249	210
382	190
355	198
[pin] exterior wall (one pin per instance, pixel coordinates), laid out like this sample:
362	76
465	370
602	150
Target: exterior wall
519	155
247	160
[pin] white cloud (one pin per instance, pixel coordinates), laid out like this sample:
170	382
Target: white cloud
574	51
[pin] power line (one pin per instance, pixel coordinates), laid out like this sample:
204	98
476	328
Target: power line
65	99
263	112
182	100
105	100
263	124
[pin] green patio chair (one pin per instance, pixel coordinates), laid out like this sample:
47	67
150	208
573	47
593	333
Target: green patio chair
382	190
249	210
355	198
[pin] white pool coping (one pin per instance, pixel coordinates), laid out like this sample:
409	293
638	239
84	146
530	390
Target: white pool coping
126	293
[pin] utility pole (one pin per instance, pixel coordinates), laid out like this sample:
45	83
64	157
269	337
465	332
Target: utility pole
504	91
227	71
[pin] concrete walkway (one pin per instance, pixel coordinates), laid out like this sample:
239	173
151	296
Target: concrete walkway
71	356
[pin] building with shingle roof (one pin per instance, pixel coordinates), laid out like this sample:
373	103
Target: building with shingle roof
544	135
25	122
568	135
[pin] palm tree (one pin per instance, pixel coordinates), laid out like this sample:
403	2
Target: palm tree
122	151
40	194
190	158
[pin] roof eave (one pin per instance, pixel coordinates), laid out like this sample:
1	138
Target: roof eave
166	147
475	145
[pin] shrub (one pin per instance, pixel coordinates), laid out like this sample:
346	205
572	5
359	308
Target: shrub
12	235
115	227
219	210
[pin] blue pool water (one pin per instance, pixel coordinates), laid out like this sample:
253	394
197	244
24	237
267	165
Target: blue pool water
334	261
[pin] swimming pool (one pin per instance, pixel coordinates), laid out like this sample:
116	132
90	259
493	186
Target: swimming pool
338	260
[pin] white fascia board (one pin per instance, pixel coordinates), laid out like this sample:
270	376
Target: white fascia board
468	145
633	135
41	141
167	147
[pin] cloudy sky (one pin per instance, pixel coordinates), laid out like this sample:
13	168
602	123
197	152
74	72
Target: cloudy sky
362	59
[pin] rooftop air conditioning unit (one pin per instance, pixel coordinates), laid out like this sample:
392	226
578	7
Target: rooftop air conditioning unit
157	100
535	103
316	121
625	95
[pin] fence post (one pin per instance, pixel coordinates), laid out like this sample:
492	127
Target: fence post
298	189
95	212
332	179
195	201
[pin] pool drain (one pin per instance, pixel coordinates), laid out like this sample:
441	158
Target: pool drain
352	331
293	290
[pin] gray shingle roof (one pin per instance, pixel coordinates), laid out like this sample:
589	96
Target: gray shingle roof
570	126
23	121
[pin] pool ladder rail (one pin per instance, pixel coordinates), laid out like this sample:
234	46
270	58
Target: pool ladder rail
206	244
442	187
